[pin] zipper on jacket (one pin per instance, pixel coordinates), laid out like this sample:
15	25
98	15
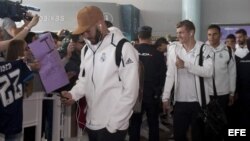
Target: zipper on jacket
92	76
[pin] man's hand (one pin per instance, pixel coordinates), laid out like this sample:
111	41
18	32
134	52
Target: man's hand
231	100
179	63
71	74
35	66
165	106
66	98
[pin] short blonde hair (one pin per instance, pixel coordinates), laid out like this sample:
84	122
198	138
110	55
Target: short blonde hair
187	24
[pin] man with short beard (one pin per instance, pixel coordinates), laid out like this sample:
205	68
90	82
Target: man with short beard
241	46
111	90
242	57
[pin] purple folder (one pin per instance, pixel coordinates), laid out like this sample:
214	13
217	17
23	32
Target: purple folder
52	71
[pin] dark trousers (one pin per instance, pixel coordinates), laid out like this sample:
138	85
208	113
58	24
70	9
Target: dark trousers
185	116
223	100
244	108
47	119
152	112
105	135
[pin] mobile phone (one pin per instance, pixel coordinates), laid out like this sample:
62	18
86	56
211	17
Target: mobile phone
60	95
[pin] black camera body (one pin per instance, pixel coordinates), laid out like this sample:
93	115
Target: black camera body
14	10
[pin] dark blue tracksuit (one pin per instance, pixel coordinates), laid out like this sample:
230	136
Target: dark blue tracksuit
154	79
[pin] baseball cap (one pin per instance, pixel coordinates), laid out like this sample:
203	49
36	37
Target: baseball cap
87	17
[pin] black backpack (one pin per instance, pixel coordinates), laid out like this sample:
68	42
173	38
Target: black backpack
230	54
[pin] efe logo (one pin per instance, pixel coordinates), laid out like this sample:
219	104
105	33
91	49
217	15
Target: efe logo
237	132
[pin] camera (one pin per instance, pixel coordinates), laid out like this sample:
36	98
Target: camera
66	35
15	11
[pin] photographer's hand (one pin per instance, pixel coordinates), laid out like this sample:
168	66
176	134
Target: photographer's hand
33	22
70	49
21	34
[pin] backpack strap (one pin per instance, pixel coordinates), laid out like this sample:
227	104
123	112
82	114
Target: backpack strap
202	86
118	52
230	54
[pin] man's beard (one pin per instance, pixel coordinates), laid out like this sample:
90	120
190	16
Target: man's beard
98	37
241	43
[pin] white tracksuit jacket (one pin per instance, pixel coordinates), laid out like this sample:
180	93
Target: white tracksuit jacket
110	101
225	70
205	71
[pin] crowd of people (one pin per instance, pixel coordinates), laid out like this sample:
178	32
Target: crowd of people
119	80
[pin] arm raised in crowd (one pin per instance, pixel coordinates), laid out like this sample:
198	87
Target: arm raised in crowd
21	35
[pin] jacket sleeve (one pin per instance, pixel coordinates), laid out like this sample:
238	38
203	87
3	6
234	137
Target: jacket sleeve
232	74
130	80
170	75
208	66
78	90
162	72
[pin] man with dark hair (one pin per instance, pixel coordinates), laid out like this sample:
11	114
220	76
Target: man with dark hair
231	41
241	31
145	32
214	26
154	78
241	46
224	70
161	44
243	81
183	74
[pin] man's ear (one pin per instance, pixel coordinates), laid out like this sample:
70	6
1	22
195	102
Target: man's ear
99	24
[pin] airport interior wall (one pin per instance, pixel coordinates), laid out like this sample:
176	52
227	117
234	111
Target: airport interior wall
162	15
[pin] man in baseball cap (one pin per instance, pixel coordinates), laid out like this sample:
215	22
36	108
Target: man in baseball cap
110	90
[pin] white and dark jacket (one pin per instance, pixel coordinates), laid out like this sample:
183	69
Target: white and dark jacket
224	70
205	71
110	91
